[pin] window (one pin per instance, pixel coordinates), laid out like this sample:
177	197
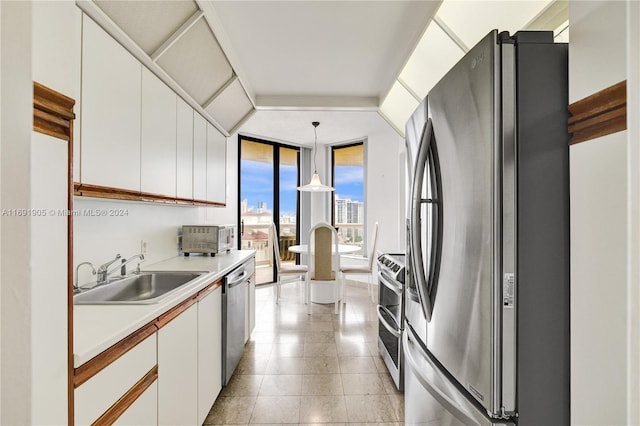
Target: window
348	213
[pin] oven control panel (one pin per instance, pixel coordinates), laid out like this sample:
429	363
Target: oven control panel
392	264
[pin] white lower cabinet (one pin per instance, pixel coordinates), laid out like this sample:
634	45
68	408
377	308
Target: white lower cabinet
178	369
144	411
209	351
94	397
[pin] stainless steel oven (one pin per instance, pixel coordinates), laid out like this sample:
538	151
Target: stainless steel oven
391	314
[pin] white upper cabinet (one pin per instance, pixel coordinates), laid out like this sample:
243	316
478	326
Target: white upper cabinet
216	165
184	177
158	138
199	157
111	91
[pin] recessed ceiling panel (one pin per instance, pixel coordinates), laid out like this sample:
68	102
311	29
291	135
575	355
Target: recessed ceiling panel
323	48
398	106
230	106
148	23
196	62
472	20
434	56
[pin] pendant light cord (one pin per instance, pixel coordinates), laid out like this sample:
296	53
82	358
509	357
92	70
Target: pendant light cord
315	145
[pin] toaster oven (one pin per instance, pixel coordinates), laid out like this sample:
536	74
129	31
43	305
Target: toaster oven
207	239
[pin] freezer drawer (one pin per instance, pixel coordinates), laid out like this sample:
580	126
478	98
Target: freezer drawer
430	398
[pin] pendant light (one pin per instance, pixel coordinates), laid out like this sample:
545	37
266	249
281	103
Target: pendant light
315	185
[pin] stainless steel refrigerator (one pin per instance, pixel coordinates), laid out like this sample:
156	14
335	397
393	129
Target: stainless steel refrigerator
487	295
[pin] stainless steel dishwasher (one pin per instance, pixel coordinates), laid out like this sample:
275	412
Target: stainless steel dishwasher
233	317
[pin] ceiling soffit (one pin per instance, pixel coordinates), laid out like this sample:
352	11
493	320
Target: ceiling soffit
175	41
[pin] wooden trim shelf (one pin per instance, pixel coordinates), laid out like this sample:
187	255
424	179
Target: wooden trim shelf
98	191
120	406
600	114
171	314
208	290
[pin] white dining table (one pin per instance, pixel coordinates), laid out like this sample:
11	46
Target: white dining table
342	249
323	291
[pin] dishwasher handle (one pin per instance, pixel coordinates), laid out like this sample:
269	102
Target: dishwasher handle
237	281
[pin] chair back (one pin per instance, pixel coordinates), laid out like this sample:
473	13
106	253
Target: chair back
273	236
323	242
372	245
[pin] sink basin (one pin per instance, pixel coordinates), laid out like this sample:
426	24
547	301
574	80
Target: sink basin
145	288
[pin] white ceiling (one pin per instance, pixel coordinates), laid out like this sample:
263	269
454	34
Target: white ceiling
321	53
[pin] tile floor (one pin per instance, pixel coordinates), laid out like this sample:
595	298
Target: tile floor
311	369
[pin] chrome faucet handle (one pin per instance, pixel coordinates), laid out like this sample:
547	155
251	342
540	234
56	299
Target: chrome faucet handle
76	287
123	266
102	270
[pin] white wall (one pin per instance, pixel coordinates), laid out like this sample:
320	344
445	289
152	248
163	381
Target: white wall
15	138
633	237
597	59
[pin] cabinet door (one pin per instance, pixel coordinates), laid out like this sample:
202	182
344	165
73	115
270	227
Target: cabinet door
144	411
94	397
199	157
184	133
178	370
209	352
111	90
158	139
216	165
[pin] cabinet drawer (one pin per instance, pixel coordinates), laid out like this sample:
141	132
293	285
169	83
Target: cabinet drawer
97	394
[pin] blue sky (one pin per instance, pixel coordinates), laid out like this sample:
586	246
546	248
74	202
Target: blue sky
257	184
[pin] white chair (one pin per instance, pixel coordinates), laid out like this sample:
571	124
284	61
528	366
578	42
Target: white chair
301	271
361	269
324	263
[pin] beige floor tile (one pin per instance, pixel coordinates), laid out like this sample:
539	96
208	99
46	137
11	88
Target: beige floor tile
276	409
281	385
320	317
252	364
389	384
262	336
357	364
243	385
285	365
362	384
288	350
320	349
380	365
352	349
322	384
369	409
321	365
231	410
323	409
319	336
320	326
259	349
397	404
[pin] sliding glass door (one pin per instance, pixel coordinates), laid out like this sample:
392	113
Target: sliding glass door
268	178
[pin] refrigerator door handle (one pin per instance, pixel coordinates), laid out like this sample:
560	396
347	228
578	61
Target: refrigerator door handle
419	364
426	281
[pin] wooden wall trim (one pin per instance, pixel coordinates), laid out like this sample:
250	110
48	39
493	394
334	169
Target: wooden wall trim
106	357
97	191
600	114
52	112
120	406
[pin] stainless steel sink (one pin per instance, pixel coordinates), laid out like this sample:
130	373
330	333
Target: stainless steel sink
145	288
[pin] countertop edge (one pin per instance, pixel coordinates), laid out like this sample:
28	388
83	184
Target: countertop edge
143	314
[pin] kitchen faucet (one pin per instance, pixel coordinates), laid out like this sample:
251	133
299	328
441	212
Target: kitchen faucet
76	288
123	265
103	270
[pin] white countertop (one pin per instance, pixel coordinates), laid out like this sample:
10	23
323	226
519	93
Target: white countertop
97	327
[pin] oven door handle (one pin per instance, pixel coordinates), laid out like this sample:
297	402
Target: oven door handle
390	285
393	330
